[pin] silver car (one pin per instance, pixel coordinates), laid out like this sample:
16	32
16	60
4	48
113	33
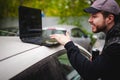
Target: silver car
76	34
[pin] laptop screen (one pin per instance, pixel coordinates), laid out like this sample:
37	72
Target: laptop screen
30	22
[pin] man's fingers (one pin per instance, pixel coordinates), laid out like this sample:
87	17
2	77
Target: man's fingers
67	34
52	36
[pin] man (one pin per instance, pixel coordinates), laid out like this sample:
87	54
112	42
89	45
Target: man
104	17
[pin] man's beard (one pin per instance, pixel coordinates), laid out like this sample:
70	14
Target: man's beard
100	29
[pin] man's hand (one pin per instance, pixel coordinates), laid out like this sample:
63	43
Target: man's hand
61	38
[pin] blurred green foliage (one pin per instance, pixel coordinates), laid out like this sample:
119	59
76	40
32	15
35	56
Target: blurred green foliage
63	8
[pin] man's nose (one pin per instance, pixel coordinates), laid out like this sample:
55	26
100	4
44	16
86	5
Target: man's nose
90	19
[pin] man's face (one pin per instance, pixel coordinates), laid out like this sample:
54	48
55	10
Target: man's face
97	22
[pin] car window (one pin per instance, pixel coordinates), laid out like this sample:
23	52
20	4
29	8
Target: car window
47	69
59	31
48	32
70	72
76	32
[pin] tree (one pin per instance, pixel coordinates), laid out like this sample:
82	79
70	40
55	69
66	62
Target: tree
9	8
62	8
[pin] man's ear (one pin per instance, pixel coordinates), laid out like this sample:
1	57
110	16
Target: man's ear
110	18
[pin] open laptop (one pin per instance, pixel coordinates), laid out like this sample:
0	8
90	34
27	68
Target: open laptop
30	25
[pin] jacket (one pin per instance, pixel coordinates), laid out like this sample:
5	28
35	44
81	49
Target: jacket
106	66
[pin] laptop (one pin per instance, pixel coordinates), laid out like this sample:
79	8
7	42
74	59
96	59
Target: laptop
30	26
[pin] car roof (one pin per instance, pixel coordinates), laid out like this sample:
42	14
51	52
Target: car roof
12	46
17	56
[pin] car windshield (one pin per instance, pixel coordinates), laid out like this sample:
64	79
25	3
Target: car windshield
48	32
